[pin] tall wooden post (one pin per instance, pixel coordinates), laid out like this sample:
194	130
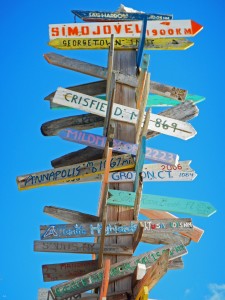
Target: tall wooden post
125	62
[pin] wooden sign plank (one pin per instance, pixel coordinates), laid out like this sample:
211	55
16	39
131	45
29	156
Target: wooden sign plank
106	16
117	271
123	113
76	230
68	270
68	215
80	122
150	173
153	275
98	141
105	280
164	203
123	43
81	248
195	235
154	29
59	175
141	41
101	72
165	238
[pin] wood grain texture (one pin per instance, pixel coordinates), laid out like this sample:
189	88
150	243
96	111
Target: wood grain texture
121	75
80	122
165	238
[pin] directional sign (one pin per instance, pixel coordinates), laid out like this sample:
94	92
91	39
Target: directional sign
117	271
98	141
165	238
68	270
87	248
123	113
124	43
164	203
155	29
59	175
102	72
93	229
150	173
106	16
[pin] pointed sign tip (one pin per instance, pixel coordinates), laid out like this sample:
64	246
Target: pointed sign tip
196	28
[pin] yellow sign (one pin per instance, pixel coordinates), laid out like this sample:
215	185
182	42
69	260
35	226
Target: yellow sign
120	43
143	294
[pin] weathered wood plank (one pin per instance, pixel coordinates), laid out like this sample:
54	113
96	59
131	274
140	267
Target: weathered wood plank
164	203
105	280
78	247
158	123
195	235
60	175
165	238
117	271
98	141
93	229
153	274
68	270
101	72
80	122
120	43
154	29
69	216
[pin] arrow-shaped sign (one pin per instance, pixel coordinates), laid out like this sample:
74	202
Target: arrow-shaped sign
154	29
123	113
98	141
164	203
85	169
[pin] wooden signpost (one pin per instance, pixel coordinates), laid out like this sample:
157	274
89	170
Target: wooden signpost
117	271
60	175
164	203
123	95
123	113
107	16
97	141
154	29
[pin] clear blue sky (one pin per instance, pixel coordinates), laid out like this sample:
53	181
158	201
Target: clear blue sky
27	78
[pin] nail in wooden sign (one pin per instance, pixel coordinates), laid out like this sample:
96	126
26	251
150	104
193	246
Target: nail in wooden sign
77	230
117	271
123	113
81	248
164	203
59	175
120	43
69	270
106	16
98	141
154	29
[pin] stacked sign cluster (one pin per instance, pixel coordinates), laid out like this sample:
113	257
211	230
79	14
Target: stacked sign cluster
122	96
